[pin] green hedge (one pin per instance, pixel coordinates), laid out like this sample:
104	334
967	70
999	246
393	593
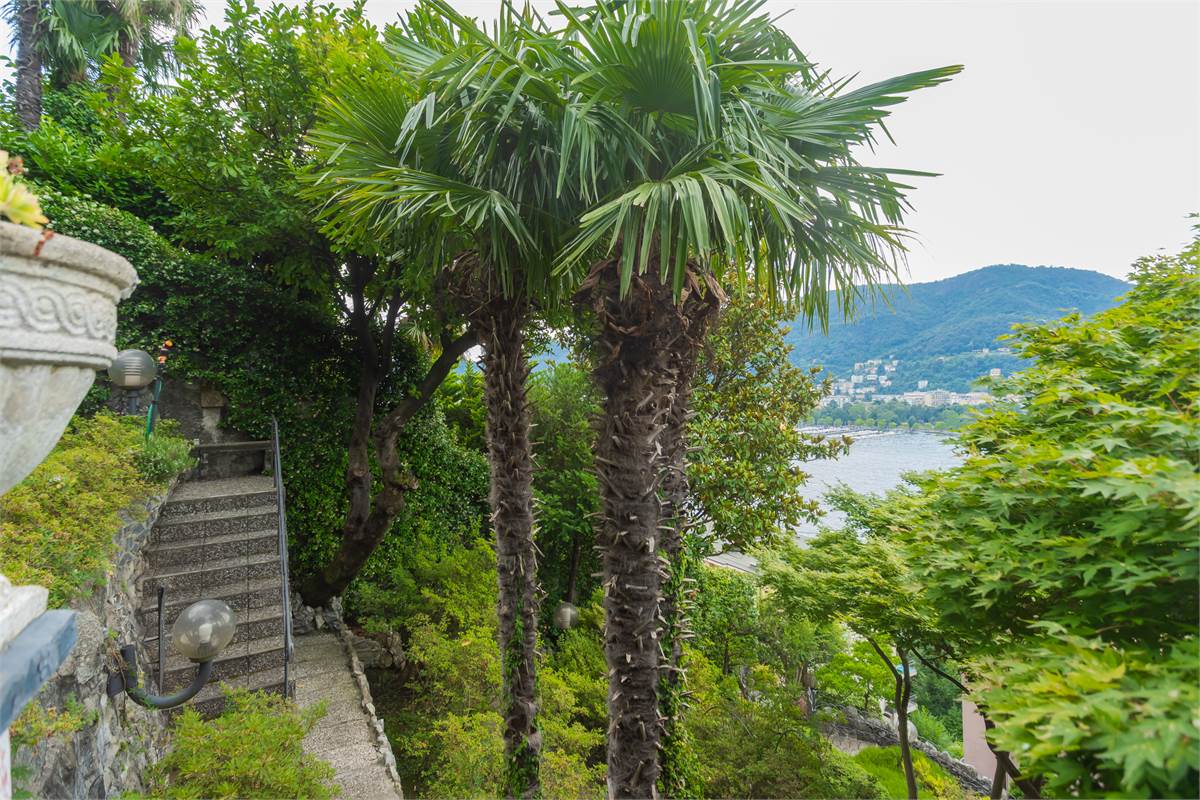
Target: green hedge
275	351
57	525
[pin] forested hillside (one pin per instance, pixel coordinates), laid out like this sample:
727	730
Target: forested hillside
934	328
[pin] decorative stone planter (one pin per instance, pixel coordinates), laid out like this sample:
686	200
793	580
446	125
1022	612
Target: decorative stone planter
58	321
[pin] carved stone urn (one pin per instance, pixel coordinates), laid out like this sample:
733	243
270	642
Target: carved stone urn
58	322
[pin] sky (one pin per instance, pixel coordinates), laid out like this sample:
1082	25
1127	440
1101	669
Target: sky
1071	138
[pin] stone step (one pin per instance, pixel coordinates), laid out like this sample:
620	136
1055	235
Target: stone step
232	459
210	702
194	497
240	595
198	551
197	578
201	525
254	623
237	660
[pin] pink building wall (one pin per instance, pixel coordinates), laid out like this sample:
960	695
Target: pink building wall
975	749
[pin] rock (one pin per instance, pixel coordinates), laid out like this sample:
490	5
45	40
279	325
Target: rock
395	647
371	653
304	619
334	617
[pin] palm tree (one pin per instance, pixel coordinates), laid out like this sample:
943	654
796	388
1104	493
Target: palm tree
25	17
466	173
712	153
70	37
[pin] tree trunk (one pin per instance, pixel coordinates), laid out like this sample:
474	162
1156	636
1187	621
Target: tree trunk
500	320
639	335
999	777
572	594
369	518
28	90
673	527
128	45
903	692
510	460
635	382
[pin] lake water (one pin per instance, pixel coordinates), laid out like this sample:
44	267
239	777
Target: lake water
874	464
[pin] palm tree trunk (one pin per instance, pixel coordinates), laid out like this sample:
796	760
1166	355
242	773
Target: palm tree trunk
639	335
128	45
500	321
674	526
28	91
511	463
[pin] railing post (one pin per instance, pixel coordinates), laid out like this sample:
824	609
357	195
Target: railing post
281	505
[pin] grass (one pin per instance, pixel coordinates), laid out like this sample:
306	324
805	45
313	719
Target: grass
57	526
932	780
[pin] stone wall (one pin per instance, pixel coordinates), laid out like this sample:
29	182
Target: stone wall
850	732
199	409
117	739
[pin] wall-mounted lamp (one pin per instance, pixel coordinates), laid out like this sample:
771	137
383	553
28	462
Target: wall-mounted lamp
132	371
566	616
200	633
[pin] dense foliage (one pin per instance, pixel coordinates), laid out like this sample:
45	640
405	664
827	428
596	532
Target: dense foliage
1054	573
272	354
934	328
1072	580
57	525
252	750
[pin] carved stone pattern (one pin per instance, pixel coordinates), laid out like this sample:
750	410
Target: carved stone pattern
47	307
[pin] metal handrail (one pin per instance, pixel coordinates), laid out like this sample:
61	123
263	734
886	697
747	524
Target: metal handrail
283	557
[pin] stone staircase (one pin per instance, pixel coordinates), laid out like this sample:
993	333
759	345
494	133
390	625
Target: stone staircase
218	537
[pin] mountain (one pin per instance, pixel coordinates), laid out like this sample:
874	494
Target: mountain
938	330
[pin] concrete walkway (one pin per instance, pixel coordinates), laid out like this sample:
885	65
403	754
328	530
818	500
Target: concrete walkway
345	736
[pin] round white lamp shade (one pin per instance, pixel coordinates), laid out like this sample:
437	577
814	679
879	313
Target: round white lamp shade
132	369
566	616
203	630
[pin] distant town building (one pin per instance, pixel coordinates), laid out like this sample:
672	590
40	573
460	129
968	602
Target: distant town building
922	384
994	372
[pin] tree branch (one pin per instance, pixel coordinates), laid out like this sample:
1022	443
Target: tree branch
407	409
886	660
929	664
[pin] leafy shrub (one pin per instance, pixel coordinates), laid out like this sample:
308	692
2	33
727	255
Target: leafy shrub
931	729
57	525
251	750
763	748
1071	583
163	457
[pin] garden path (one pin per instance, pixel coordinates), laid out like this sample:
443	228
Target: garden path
345	736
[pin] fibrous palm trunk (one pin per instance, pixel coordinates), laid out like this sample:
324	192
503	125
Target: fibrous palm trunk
638	337
500	321
510	458
28	92
674	526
